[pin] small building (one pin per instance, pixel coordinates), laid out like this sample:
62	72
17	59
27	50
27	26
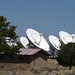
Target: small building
32	56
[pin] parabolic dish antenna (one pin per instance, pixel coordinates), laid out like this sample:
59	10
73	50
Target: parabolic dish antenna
37	39
54	41
10	41
24	41
65	37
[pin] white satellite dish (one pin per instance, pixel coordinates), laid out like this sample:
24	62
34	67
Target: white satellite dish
24	41
73	37
65	37
37	39
54	41
6	38
9	41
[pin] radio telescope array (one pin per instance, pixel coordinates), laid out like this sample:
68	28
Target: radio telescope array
34	39
64	38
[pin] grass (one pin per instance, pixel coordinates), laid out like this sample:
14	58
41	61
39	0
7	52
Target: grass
52	68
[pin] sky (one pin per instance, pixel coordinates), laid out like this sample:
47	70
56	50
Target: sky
48	17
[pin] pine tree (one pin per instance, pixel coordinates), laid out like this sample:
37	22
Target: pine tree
6	30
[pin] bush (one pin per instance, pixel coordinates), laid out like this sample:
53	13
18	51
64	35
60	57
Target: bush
66	56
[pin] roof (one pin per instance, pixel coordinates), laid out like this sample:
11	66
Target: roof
29	51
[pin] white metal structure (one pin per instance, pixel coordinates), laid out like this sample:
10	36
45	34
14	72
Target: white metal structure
65	37
24	41
54	41
9	41
37	39
73	37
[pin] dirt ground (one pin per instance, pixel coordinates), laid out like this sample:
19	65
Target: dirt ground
52	68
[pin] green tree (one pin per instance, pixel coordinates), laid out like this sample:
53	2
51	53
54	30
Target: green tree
1	47
3	28
9	51
19	44
66	56
12	34
8	31
5	49
13	51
